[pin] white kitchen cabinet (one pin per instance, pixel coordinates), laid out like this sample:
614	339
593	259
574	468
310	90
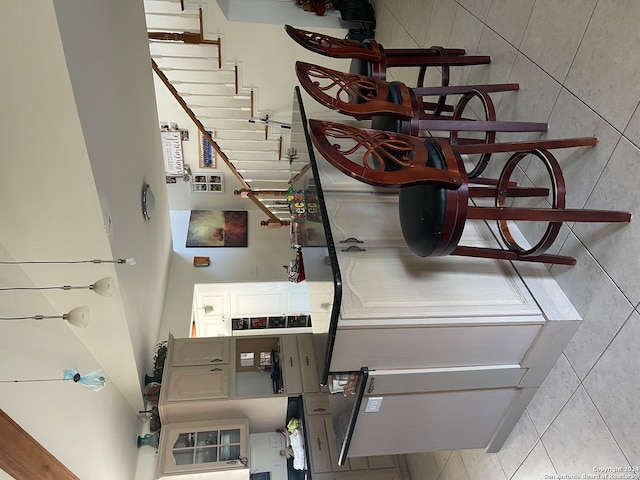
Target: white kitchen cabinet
196	369
205	448
200	382
200	351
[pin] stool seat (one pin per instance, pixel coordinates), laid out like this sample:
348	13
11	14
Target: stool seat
423	210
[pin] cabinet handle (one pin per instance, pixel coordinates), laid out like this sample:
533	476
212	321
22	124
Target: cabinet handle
351	240
291	361
307	357
319	443
354	248
216	369
319	409
370	389
213	360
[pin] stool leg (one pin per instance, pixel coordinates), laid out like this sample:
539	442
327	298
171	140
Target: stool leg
490	192
547	214
470	148
499	254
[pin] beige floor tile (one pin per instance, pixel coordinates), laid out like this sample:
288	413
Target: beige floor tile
454	469
599	301
465	33
439	26
632	132
536	466
519	444
479	8
578	439
613	386
509	18
422	466
602	74
552	396
581	166
535	99
481	465
442	457
554	32
615	246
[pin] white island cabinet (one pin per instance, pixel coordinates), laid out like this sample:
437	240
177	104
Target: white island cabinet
455	347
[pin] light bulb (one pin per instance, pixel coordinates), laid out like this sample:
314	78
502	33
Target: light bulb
103	287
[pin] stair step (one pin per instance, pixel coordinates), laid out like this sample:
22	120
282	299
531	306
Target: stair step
172	23
205	88
238	135
205	113
188	76
196	64
248	145
254	156
183	50
160	6
195	101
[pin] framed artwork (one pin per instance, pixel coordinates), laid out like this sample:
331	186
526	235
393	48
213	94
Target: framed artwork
217	228
207	155
172	153
205	182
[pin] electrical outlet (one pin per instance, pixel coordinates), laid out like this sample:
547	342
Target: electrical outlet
373	404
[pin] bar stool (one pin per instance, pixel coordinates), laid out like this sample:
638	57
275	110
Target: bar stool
398	108
371	59
434	192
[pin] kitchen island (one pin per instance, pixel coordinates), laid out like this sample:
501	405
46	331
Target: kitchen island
446	352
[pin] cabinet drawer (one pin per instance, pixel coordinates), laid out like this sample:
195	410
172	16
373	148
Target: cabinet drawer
317	404
308	364
290	362
359	463
382	461
318	444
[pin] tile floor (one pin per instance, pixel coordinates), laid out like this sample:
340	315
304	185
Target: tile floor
578	71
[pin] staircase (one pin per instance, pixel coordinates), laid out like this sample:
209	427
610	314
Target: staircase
212	90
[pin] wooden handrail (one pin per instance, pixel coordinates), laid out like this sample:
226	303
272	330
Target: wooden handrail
299	175
23	458
198	124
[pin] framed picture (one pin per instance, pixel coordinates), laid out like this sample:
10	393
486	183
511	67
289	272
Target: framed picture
217	228
206	182
207	154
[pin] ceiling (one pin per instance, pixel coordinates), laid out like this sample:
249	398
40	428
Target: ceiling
81	141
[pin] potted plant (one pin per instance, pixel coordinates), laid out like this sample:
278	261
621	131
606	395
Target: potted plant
158	364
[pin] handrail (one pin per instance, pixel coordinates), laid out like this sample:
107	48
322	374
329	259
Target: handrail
198	123
274	221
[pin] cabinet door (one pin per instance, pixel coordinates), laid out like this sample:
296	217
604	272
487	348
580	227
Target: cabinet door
371	219
203	446
200	351
308	364
201	382
213	326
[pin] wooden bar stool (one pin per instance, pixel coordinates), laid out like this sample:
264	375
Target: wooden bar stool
371	59
434	192
398	108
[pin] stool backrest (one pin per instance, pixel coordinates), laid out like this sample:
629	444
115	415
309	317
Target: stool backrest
355	95
335	47
364	155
